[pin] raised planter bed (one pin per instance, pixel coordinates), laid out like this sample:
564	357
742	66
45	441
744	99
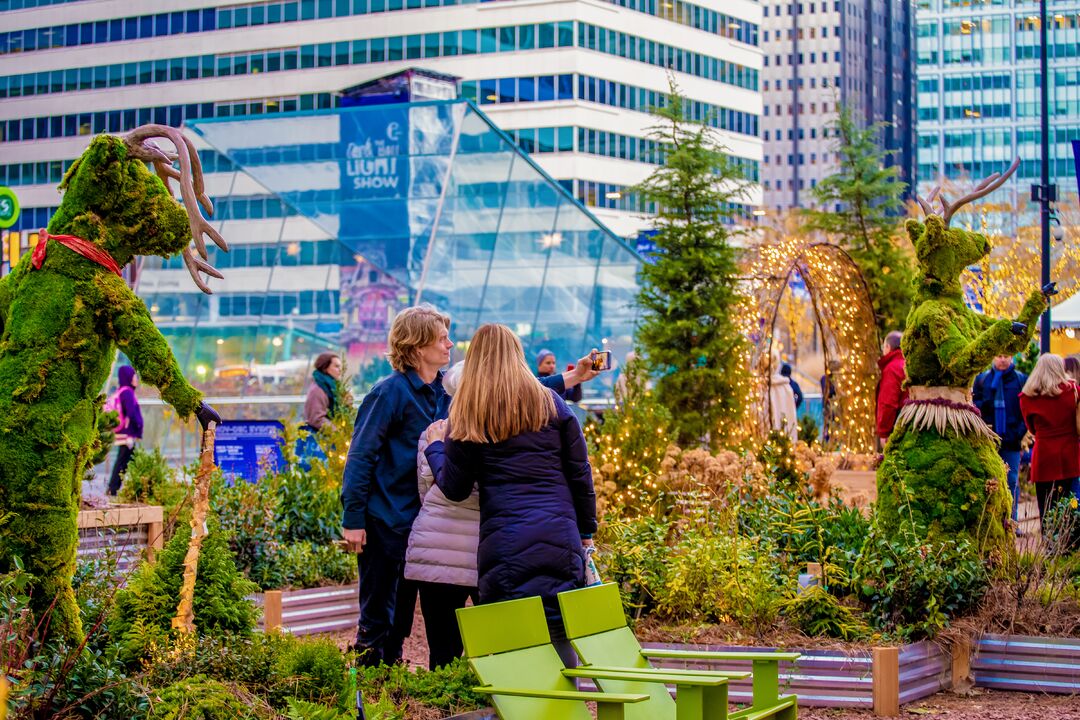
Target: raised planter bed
130	531
879	678
1027	664
311	611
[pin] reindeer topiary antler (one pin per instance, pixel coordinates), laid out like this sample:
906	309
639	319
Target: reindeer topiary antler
192	190
983	189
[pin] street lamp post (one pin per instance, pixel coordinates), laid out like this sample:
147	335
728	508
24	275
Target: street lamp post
1044	193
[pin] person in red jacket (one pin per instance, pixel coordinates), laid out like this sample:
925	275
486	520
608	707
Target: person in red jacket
1048	404
891	393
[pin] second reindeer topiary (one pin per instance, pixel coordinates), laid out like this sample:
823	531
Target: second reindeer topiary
941	472
64	312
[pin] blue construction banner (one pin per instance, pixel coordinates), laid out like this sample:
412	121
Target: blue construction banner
374	193
245	449
1076	162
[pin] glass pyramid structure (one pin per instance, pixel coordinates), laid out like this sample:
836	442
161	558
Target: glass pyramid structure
340	218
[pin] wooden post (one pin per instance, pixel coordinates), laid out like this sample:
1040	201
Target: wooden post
961	665
271	610
155	539
886	672
200	506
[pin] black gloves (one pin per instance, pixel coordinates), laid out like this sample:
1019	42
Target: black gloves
1050	289
1018	328
207	415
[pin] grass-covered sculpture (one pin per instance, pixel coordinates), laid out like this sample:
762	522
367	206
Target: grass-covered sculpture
64	311
941	468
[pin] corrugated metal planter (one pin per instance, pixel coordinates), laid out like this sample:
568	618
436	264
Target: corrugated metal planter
879	678
1028	664
314	610
129	531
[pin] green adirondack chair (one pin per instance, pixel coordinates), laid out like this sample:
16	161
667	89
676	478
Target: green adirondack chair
596	626
509	648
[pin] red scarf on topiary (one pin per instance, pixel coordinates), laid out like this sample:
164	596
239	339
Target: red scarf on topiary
87	249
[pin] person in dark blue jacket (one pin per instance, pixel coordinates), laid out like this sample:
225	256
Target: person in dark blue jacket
545	367
997	395
785	370
523	446
379	493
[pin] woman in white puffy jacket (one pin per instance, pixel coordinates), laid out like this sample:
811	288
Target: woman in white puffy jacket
441	557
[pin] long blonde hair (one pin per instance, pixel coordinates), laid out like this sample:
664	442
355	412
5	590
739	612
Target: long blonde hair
498	396
1047	377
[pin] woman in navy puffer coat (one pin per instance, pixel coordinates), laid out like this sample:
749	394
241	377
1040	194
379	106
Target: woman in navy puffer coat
524	448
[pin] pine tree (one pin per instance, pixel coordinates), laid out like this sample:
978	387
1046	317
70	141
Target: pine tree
860	206
688	296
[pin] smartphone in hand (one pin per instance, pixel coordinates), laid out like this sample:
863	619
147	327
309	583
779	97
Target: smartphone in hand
601	360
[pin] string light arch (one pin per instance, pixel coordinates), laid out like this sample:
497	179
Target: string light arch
844	316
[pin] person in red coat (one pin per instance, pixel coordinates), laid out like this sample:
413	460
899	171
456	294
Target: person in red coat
1048	404
890	391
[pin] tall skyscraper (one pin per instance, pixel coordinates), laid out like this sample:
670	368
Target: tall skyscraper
819	54
979	85
571	82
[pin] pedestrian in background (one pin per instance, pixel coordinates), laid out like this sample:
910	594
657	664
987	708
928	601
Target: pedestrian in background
1048	403
130	429
321	401
785	370
891	392
545	367
1072	368
782	414
997	395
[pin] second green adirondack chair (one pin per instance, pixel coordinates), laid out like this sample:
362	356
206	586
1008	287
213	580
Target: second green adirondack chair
596	625
508	646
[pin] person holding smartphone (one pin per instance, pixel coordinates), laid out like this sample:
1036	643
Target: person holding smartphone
545	367
520	443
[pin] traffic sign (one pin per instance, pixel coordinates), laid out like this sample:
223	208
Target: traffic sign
9	207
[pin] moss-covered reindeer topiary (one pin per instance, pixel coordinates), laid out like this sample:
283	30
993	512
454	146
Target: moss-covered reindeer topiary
941	468
64	311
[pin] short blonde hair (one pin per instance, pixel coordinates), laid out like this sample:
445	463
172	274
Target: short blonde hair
1047	377
498	396
413	328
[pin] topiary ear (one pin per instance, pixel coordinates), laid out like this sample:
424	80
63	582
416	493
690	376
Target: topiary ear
932	237
96	178
70	173
914	230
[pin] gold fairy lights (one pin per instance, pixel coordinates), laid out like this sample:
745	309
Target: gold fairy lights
844	317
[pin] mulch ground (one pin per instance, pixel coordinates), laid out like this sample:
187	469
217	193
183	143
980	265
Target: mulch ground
979	705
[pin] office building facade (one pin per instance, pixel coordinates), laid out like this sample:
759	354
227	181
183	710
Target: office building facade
979	97
820	53
570	81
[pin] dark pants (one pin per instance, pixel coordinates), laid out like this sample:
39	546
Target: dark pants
1011	458
439	602
1050	492
387	599
123	457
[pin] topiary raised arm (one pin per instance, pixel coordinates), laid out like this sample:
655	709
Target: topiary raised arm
64	310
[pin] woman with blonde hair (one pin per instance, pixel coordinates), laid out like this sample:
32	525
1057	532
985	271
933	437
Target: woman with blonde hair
1048	404
523	447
